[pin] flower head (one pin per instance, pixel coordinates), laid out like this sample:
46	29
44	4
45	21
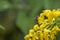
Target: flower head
47	27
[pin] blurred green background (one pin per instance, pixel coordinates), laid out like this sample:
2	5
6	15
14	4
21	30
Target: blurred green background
18	16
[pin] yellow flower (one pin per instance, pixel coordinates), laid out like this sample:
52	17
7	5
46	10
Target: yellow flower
43	26
31	32
41	35
53	32
47	28
46	34
55	29
36	27
27	37
57	13
40	20
52	36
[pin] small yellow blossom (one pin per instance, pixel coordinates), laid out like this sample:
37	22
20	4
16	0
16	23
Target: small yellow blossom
46	34
36	27
40	20
41	35
27	37
31	32
43	26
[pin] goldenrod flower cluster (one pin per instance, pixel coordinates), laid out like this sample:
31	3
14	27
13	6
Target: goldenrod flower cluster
47	26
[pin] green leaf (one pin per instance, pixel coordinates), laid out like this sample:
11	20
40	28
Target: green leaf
58	36
23	22
37	8
4	5
2	27
51	4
